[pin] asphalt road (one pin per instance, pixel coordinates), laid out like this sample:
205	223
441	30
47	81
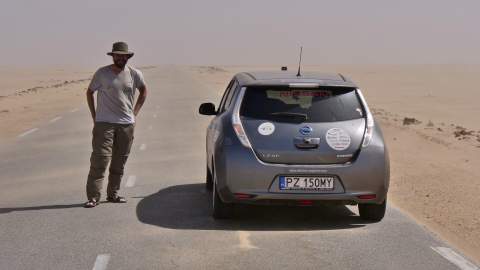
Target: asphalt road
166	223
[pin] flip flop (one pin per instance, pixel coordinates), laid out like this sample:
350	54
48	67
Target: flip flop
91	203
117	199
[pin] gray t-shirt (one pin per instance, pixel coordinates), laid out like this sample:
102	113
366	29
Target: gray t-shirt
116	94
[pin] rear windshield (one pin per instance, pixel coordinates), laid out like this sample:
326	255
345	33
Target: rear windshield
328	104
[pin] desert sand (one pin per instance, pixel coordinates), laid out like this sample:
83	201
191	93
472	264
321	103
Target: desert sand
428	113
30	96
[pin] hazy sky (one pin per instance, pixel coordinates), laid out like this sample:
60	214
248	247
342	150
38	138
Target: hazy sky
79	33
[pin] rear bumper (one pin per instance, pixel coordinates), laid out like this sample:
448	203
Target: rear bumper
239	171
298	198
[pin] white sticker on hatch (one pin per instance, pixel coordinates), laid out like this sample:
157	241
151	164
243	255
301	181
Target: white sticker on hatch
266	128
338	139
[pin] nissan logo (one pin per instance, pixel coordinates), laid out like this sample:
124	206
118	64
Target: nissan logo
306	130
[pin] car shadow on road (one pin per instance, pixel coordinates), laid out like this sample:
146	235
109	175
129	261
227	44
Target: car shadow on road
189	207
42	207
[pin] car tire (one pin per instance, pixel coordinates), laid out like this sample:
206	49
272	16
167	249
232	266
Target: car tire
221	210
372	212
209	181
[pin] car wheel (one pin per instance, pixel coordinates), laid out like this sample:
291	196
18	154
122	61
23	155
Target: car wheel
209	180
372	212
221	210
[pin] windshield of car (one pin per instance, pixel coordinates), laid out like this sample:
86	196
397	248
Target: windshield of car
282	104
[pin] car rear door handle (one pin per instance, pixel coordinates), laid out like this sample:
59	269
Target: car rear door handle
306	142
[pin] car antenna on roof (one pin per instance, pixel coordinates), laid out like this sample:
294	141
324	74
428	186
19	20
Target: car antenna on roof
300	62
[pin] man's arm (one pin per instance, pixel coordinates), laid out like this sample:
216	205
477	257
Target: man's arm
91	103
141	99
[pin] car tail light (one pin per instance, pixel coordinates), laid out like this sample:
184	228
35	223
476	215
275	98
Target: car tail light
367	197
367	137
305	202
243	196
237	123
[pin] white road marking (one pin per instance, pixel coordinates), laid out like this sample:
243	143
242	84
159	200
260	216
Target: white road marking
150	127
55	119
74	110
244	238
27	132
155	116
143	147
455	258
131	181
101	262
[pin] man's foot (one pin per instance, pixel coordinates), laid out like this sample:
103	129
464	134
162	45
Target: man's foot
117	199
91	203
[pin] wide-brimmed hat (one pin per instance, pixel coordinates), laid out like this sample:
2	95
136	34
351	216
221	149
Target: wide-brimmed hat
120	48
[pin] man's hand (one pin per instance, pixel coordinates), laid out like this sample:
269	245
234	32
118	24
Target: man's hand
91	103
141	99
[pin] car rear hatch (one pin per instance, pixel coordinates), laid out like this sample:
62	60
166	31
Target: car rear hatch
321	125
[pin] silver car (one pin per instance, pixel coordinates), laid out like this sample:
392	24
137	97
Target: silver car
280	138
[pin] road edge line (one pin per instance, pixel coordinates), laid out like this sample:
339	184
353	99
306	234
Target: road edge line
101	262
455	258
27	132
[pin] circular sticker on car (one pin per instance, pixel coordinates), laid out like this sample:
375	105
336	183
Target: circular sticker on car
338	139
266	128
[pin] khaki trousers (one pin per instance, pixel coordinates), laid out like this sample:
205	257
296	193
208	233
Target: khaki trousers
111	143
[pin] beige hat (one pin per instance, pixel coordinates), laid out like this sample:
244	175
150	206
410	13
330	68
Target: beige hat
120	48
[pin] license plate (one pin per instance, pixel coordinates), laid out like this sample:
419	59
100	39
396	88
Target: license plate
307	182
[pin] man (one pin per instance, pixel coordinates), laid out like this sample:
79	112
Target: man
114	122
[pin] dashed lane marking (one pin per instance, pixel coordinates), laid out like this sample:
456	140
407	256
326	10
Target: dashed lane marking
143	147
455	258
55	119
244	238
27	132
74	110
101	262
131	181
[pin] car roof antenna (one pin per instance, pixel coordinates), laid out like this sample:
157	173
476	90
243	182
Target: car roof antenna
300	62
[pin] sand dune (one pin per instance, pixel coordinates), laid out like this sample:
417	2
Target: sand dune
13	80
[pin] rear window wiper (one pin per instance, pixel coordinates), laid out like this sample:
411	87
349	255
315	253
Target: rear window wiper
303	116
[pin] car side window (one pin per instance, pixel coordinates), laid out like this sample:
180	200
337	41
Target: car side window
224	98
230	96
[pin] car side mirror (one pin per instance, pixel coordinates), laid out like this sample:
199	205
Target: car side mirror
207	109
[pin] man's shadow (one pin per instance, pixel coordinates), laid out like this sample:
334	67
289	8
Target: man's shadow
189	207
42	207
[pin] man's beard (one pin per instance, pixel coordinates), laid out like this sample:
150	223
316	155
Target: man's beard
120	64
